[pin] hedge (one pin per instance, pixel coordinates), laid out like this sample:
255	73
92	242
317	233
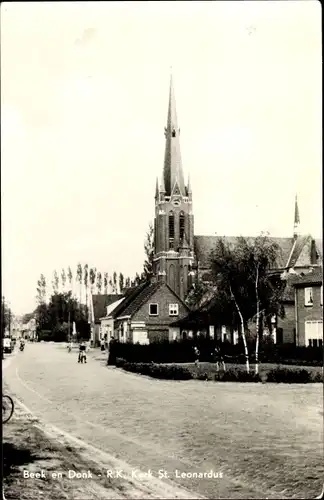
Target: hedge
182	352
173	372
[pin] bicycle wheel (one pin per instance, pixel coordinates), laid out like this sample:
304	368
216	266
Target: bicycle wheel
7	408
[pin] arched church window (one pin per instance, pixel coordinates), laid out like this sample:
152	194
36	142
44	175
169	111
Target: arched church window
173	133
171	230
181	225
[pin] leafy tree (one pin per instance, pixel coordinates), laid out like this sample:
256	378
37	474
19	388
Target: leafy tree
121	282
55	282
86	280
61	310
115	286
111	286
105	280
137	280
99	282
70	277
79	279
41	289
149	253
63	279
197	292
92	275
6	317
244	285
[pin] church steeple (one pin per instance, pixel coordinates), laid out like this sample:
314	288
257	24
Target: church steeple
174	220
296	219
172	172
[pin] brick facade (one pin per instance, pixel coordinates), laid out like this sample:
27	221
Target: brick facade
307	313
158	326
286	327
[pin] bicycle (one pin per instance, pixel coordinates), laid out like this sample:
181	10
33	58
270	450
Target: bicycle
7	408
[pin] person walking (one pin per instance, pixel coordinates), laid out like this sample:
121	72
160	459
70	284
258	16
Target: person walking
103	347
197	355
112	352
218	358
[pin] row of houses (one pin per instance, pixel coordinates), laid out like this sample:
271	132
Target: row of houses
153	311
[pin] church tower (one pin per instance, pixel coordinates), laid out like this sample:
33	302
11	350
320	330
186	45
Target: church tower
173	224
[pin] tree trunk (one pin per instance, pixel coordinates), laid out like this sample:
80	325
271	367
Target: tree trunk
257	341
246	352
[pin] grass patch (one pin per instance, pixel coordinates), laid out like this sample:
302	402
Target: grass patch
233	373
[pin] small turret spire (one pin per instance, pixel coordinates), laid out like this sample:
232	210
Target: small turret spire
296	218
157	189
189	186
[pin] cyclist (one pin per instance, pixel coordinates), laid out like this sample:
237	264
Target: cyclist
82	351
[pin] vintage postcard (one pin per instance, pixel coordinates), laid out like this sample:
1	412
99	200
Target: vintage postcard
162	251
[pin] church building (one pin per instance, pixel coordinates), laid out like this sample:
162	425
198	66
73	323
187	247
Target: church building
179	254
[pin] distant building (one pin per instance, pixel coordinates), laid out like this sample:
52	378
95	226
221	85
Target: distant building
97	309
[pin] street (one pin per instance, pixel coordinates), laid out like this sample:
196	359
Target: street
228	430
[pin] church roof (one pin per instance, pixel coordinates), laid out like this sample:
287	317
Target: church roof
205	244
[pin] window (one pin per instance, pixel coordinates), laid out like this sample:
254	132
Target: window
314	333
153	308
321	295
171	230
308	296
173	309
182	225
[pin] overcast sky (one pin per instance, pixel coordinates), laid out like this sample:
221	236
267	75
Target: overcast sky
84	93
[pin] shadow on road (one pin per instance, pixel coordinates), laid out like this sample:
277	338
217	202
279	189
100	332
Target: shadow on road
14	456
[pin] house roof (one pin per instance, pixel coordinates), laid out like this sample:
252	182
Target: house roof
100	303
298	246
141	298
289	248
315	277
129	295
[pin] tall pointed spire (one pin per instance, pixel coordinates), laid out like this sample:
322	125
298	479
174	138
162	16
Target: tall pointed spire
172	172
189	186
296	218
